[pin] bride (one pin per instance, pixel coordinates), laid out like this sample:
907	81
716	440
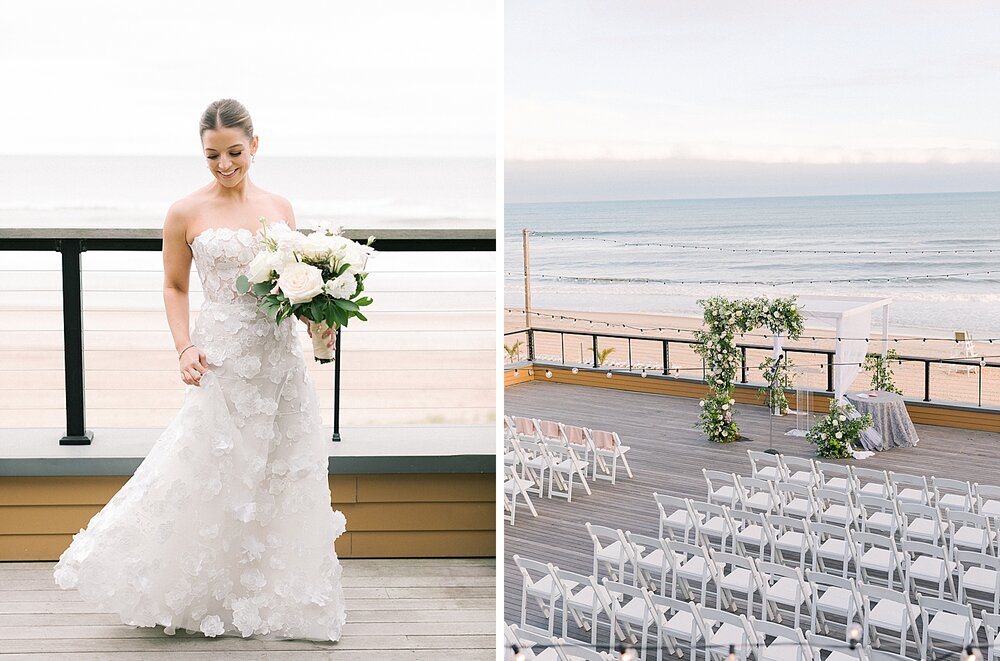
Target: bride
226	527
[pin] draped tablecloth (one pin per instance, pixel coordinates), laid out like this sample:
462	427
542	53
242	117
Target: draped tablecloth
892	422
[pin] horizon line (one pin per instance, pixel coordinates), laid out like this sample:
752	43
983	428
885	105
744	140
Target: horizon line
753	197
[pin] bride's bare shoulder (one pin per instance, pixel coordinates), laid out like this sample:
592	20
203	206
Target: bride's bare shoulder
182	211
281	206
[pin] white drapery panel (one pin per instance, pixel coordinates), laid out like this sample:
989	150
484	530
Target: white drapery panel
855	326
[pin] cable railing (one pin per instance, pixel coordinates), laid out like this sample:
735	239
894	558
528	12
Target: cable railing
667	357
83	334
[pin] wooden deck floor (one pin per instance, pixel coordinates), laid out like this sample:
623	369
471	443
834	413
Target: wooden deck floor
667	456
396	609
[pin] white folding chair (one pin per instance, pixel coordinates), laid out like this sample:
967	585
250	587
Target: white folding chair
837	507
711	527
564	463
677	520
820	644
979	574
892	610
609	551
609	446
736	575
968	531
582	597
629	608
832	595
783	586
945	621
879	515
931	564
987	500
872	482
675	622
748	532
723	631
765	466
799	470
921	523
648	556
788	644
580	437
833	542
992	624
536	582
836	477
876	553
524	428
722	488
526	640
791	535
690	565
910	488
516	488
796	500
953	494
531	465
756	495
570	651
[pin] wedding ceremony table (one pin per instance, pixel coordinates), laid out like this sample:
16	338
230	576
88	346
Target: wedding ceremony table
891	420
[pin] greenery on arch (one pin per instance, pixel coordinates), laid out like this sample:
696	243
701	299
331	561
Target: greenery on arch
724	319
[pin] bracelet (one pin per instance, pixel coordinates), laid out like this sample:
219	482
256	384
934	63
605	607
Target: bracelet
184	349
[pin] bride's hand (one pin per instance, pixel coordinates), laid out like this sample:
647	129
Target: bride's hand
193	364
328	333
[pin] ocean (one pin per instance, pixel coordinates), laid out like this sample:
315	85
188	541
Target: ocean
964	226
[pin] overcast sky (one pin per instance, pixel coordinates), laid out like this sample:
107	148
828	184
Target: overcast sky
381	78
836	86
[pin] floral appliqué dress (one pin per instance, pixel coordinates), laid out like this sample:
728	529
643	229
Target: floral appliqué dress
226	527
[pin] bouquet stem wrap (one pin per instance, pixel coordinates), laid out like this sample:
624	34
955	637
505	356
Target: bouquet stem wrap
321	351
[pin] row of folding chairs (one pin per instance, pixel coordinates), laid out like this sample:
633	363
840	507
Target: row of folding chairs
601	450
960	570
913	521
943	493
515	490
525	640
637	616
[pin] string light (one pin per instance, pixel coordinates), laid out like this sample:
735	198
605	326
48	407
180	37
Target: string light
732	653
518	653
563	317
788	251
548	374
609	375
625	653
765	283
575	370
854	634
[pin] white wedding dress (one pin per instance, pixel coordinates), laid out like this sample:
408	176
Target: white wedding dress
226	527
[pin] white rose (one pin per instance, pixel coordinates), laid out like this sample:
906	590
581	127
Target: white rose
840	434
725	407
285	237
262	265
300	282
315	246
843	418
343	286
702	403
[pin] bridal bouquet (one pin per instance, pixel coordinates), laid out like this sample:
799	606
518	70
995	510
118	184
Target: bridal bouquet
318	276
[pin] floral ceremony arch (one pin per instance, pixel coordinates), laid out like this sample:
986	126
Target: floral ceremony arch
724	318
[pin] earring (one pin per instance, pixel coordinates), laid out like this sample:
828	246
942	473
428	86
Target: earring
253	157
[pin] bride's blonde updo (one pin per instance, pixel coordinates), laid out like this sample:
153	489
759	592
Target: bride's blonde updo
226	114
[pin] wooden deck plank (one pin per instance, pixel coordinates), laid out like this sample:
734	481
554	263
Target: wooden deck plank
443	607
667	454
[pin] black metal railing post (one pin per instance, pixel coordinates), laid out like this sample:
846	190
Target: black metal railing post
76	431
743	364
594	337
336	388
927	380
666	357
829	372
531	344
